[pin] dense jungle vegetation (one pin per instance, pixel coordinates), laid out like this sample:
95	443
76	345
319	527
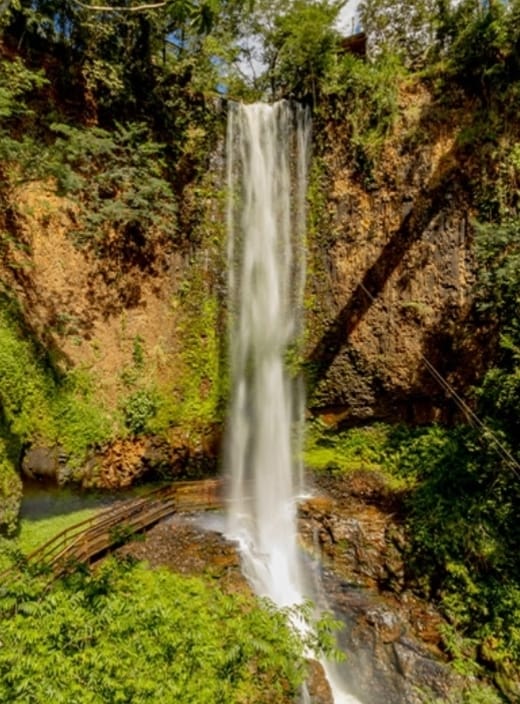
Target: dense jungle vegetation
120	111
130	634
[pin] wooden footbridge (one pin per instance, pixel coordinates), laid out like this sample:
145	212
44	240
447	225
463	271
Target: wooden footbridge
87	540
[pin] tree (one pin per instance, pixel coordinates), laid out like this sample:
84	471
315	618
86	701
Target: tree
498	251
480	46
403	27
289	46
304	42
118	46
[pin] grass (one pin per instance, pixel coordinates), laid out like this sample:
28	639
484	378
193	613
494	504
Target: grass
370	448
359	448
34	533
46	513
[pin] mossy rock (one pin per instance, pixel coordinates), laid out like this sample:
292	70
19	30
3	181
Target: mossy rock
10	494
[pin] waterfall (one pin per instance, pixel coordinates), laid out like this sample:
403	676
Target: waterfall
267	154
267	157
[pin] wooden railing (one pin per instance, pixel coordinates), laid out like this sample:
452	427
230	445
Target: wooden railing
88	539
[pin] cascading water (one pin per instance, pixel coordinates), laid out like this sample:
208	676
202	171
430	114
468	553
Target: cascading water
267	148
265	288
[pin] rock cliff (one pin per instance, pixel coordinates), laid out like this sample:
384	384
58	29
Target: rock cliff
392	268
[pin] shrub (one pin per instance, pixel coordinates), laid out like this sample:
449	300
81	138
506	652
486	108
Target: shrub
10	492
138	409
117	178
128	634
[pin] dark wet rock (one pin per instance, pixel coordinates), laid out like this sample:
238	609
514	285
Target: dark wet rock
358	538
391	637
318	686
385	662
49	463
386	622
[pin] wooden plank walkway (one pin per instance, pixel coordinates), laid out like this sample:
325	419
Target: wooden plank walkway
83	542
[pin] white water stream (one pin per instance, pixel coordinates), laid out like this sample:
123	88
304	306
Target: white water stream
267	152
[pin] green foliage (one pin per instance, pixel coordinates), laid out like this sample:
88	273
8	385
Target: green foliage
127	123
498	252
40	406
18	114
462	518
480	694
10	555
127	633
303	44
461	505
482	583
122	533
10	491
478	42
138	353
371	93
397	452
117	178
201	357
343	452
472	43
17	82
472	694
198	396
139	408
25	388
81	422
404	27
479	37
289	46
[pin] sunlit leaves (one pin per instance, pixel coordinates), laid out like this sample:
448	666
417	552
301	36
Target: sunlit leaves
16	83
130	634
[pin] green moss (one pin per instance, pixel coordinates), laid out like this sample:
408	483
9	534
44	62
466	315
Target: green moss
194	399
319	240
199	388
25	389
80	420
10	491
201	360
369	448
40	406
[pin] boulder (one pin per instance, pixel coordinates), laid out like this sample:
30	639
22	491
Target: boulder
49	463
